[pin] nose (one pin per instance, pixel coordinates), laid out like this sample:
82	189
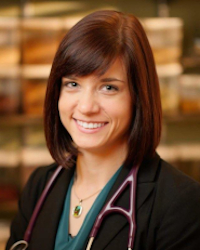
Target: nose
88	103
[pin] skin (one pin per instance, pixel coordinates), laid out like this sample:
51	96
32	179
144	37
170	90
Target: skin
106	100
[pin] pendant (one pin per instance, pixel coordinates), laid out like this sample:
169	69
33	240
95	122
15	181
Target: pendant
78	210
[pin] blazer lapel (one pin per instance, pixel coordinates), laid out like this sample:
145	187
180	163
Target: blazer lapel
44	233
145	186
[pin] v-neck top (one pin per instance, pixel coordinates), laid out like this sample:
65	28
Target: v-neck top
63	240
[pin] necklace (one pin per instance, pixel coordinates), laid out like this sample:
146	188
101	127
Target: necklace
77	211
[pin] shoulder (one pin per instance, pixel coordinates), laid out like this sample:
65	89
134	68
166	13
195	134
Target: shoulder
175	182
35	186
177	192
176	209
41	174
28	200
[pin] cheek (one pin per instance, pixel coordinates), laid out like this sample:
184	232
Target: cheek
120	112
64	112
126	113
64	105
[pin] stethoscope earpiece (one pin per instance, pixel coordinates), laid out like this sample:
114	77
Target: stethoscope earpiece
20	245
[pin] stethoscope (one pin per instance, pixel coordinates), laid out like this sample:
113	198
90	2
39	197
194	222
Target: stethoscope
109	207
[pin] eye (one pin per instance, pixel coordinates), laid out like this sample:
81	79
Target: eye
70	85
110	88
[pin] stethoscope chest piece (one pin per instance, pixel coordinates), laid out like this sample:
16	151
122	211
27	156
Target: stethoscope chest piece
20	245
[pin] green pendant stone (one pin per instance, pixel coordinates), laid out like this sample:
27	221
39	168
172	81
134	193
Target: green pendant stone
77	211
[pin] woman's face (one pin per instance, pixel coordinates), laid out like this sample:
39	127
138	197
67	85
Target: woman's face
96	111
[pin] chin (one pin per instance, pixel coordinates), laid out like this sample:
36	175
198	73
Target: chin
89	147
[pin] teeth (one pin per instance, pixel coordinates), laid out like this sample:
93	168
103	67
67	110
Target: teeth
90	125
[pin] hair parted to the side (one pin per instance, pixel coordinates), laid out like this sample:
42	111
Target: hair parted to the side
91	46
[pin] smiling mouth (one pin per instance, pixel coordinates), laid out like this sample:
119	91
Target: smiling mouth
90	125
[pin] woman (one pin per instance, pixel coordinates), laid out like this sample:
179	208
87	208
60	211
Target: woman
103	117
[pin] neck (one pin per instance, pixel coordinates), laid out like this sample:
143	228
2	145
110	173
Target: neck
95	169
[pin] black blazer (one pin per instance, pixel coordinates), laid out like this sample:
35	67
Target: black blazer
168	210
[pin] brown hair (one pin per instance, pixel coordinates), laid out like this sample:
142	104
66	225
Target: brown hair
91	46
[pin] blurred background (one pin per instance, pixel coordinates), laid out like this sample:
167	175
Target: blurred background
30	32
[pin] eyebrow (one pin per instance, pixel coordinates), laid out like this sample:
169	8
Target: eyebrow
111	79
108	79
69	77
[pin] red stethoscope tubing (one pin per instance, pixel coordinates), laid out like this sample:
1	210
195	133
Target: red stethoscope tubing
109	208
40	202
131	180
23	244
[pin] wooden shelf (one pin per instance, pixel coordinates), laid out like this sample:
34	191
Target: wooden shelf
180	152
20	120
8	207
178	117
191	61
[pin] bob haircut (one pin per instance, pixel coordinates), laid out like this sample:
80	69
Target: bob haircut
90	47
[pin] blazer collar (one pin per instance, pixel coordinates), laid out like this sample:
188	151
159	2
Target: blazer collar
44	235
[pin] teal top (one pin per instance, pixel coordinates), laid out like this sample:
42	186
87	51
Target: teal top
63	240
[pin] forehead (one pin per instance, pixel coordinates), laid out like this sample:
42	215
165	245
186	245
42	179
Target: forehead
117	68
